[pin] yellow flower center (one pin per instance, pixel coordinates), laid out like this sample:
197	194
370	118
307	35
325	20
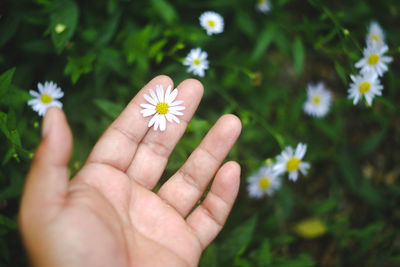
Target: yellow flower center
364	87
373	59
375	37
316	100
211	23
45	98
292	164
196	61
162	108
264	183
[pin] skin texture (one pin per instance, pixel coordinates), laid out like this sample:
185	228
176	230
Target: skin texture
108	215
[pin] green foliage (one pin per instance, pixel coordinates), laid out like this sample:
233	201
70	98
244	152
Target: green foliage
102	52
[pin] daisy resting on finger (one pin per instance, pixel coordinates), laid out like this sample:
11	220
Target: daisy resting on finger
162	106
48	96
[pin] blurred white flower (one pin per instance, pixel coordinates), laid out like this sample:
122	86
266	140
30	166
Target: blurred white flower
48	96
197	61
264	6
318	100
374	59
375	35
291	161
264	182
366	84
212	22
162	106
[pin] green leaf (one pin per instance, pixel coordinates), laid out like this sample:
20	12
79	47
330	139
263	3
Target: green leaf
109	108
209	257
77	66
298	55
237	240
165	10
8	27
11	120
7	222
63	21
108	30
265	39
5	81
265	254
341	72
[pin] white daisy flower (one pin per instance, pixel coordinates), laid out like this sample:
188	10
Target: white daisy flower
318	100
374	60
197	61
212	22
375	35
263	6
162	106
48	96
291	161
264	182
367	85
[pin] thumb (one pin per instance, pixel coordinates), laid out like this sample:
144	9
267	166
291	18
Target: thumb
47	181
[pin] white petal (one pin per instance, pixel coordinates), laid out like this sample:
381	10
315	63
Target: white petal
160	93
177	108
147	106
177	102
153	120
171	97
150	100
153	95
168	116
174	118
34	93
147	112
293	175
55	103
163	123
175	112
167	94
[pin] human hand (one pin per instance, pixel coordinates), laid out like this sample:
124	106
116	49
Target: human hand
107	215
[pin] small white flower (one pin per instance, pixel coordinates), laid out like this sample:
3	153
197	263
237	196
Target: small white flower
291	161
197	61
374	60
264	182
367	85
263	6
48	96
212	22
375	35
318	100
162	106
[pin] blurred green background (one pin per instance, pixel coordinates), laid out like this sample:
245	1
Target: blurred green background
259	69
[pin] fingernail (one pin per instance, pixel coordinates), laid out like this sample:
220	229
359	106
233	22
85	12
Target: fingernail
46	123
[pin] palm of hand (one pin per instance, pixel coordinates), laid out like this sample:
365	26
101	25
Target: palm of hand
109	216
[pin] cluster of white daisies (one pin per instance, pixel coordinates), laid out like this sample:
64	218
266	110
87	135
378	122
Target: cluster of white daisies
269	177
365	85
372	66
